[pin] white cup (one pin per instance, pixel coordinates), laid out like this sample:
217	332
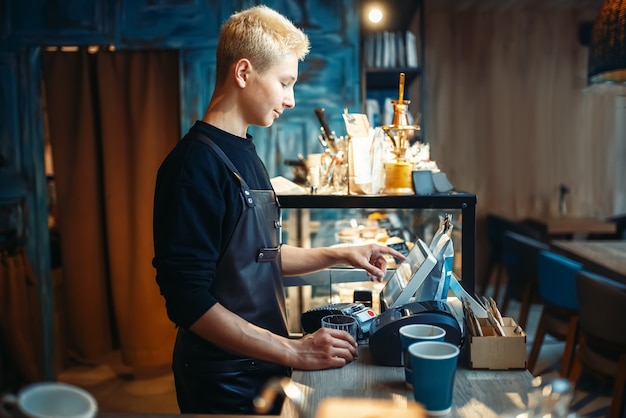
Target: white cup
51	399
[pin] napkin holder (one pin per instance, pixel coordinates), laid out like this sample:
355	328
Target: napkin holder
495	352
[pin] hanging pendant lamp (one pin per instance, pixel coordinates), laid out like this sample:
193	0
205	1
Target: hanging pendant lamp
607	53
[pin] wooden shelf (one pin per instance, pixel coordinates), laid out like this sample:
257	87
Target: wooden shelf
389	78
379	83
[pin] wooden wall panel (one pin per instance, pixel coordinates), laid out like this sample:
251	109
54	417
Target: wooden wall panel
510	116
61	22
172	23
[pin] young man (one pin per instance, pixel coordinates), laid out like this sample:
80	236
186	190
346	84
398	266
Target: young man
218	257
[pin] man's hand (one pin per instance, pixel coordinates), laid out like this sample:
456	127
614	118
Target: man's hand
325	348
371	258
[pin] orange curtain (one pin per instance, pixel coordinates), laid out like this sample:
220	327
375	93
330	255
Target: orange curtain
20	320
112	117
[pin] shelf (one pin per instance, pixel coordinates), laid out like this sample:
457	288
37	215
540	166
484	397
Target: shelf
465	202
389	78
331	275
380	82
415	212
454	200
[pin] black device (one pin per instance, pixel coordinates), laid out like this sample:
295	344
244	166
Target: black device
311	320
384	340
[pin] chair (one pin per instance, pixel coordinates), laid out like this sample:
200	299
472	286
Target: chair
497	226
620	225
519	254
620	222
620	228
602	347
559	317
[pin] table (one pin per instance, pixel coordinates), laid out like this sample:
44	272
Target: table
571	226
605	257
477	393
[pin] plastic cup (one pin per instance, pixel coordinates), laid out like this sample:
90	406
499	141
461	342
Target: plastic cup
341	322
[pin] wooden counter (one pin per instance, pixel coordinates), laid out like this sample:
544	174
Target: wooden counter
477	393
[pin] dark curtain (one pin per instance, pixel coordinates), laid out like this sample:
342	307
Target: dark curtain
111	117
20	321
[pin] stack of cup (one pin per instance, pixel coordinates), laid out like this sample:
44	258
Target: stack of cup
414	333
432	366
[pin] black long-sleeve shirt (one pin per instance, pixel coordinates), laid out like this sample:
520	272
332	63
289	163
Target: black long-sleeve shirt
196	206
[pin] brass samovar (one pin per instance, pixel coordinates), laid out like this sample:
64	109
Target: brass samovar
398	173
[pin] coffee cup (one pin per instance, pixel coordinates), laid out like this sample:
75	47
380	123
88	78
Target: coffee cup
414	333
50	399
434	369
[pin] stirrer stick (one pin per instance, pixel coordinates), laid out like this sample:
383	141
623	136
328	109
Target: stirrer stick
401	96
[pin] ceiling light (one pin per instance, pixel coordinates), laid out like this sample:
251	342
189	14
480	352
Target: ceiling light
607	52
375	15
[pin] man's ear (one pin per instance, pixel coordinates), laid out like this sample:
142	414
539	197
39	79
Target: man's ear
242	69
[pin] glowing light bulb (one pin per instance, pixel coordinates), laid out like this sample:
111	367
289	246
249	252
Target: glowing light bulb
375	15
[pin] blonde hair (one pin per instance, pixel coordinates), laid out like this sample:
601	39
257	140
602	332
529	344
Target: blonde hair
261	35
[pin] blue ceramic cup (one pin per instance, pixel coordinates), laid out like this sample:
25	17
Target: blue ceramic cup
415	333
434	368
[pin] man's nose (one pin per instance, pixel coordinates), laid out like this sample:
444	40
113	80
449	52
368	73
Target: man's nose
290	100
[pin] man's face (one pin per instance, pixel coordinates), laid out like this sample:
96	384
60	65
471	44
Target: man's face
269	93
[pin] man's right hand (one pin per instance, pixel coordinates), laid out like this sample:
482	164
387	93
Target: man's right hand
325	348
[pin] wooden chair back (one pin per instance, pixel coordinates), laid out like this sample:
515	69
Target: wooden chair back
602	348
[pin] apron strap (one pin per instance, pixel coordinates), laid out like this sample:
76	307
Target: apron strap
245	190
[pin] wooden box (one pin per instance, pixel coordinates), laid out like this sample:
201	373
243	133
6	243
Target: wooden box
495	352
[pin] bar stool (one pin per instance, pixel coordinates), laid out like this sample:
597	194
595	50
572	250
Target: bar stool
602	341
559	317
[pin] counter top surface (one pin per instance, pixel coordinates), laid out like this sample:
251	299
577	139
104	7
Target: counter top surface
484	393
477	393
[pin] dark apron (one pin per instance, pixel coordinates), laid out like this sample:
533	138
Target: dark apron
248	282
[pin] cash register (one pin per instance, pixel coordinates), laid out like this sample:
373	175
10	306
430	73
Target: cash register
398	308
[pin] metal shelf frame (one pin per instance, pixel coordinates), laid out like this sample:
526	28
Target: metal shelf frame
466	202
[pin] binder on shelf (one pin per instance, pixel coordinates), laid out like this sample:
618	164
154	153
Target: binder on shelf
378	50
411	50
387	49
369	50
389	53
401	48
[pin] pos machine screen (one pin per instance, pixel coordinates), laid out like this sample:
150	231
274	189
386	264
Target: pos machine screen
408	276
